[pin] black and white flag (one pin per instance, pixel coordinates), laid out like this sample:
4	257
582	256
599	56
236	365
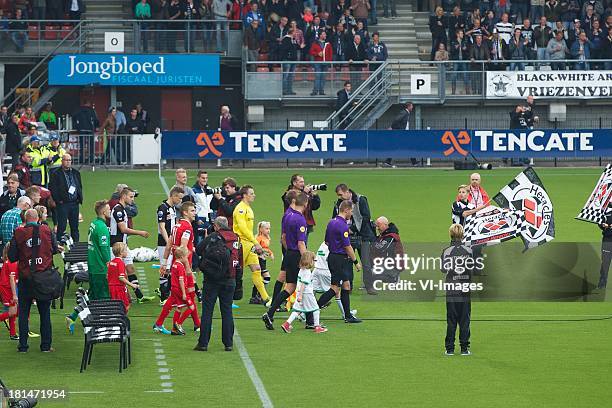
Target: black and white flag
595	207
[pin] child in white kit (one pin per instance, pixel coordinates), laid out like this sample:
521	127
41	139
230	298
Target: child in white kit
306	301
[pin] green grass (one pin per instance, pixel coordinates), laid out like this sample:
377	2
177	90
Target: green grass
526	354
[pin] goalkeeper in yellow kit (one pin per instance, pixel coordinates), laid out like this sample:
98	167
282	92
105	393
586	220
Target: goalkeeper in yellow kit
243	227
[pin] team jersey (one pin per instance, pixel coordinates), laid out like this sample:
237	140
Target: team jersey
243	223
176	272
182	230
457	210
189	280
116	270
305	276
118	215
8	269
165	214
321	257
98	247
265	244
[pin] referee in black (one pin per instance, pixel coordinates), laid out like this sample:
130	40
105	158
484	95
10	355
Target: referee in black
457	263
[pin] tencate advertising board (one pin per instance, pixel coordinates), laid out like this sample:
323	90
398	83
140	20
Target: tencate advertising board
451	144
134	70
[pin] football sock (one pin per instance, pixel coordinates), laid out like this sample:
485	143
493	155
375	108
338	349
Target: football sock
292	317
176	318
164	313
134	279
339	303
4	316
195	316
266	279
254	292
258	282
12	330
309	319
326	297
164	287
346	302
278	286
315	315
277	302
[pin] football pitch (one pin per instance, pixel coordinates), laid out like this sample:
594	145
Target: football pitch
525	354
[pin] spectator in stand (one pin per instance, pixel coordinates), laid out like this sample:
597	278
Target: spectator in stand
460	54
338	11
206	12
574	33
48	117
607	53
5	119
475	29
456	21
360	10
502	7
85	122
588	18
362	32
505	28
517	51
277	7
39	11
389	6
348	21
373	11
293	9
313	31
25	119
519	9
13	140
571	11
227	121
55	9
597	6
159	11
473	17
321	51
357	58
489	21
238	10
581	51
191	14
255	14
552	11
438	26
498	51
143	116
377	51
18	29
528	34
121	121
278	32
559	26
288	53
557	50
441	54
298	39
537	9
478	53
75	8
143	13
9	197
174	15
597	38
221	10
543	34
339	41
252	42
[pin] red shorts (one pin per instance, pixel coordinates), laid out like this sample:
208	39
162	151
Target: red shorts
6	295
176	299
120	293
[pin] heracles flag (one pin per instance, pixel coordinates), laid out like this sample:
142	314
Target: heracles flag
490	226
595	207
527	196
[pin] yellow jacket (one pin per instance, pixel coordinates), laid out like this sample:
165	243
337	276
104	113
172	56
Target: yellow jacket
39	161
243	223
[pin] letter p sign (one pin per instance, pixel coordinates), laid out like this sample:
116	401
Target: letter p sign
420	84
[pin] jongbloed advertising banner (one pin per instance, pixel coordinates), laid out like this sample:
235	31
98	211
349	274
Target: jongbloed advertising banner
549	84
364	144
134	70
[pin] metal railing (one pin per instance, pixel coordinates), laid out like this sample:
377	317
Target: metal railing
35	81
368	102
89	149
37	37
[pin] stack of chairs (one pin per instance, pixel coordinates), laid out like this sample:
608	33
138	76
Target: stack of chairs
75	260
104	321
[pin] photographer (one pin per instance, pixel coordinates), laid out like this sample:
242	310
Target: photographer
314	201
518	118
203	195
360	229
219	262
227	201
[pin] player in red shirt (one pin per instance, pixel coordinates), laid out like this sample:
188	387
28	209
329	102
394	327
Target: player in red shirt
192	305
117	277
178	293
8	292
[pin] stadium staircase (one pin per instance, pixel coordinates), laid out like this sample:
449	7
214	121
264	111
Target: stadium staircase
110	15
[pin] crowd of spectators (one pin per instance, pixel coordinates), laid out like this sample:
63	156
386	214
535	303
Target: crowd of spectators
505	33
54	10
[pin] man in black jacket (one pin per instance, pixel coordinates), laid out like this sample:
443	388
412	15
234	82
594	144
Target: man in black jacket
357	57
75	10
388	245
9	197
85	121
13	140
360	229
288	52
67	192
225	203
342	98
402	122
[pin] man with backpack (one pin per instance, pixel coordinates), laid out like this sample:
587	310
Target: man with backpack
220	255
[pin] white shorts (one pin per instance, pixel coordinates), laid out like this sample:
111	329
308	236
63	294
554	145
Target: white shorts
308	304
129	259
320	280
160	253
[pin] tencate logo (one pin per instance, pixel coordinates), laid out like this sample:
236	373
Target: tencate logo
210	143
115	66
455	142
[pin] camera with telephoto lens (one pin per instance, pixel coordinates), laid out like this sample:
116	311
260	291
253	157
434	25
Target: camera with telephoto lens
217	190
14	402
318	187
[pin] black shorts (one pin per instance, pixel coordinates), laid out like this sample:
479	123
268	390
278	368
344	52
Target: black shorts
340	268
291	265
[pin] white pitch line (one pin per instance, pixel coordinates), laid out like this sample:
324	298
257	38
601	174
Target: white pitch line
244	355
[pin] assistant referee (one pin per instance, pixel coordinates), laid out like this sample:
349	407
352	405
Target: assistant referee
341	254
